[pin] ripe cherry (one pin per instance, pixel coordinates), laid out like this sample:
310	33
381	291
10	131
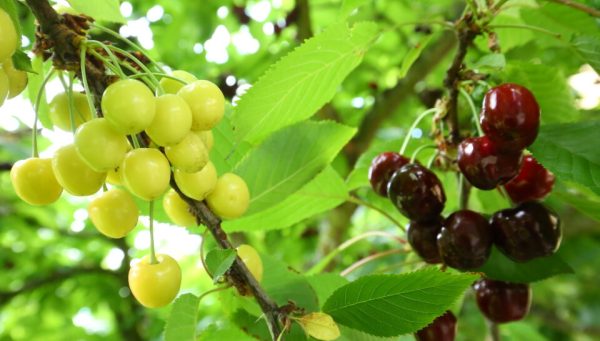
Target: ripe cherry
172	86
172	121
417	192
100	145
146	173
17	79
178	210
533	182
73	174
155	285
382	168
8	36
230	198
527	231
510	116
465	240
34	181
422	237
114	213
197	185
60	113
206	101
484	165
252	260
129	105
502	302
189	155
442	328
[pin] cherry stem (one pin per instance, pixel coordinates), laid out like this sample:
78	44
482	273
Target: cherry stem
419	150
494	331
140	64
36	109
317	268
69	91
130	43
211	291
151	216
84	81
202	254
361	202
112	63
473	110
414	126
368	259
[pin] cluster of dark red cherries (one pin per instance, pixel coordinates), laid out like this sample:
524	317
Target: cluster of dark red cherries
510	119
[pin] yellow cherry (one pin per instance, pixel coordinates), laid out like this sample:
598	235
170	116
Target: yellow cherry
172	121
171	86
230	198
146	173
34	181
114	213
207	103
60	114
178	210
17	79
129	105
252	260
197	185
73	174
155	285
189	155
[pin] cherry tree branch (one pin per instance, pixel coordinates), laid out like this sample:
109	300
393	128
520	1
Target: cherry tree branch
55	35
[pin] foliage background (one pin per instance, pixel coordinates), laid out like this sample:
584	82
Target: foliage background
61	280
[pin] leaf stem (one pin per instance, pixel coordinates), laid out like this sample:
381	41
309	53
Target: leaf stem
202	254
36	109
151	215
419	150
474	112
414	126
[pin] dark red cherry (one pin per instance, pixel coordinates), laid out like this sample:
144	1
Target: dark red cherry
501	301
483	165
422	237
527	231
382	168
510	116
417	192
442	328
533	182
465	240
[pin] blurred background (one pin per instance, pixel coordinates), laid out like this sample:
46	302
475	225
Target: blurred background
61	280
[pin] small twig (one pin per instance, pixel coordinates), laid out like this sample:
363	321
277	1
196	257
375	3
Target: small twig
5	166
578	6
494	331
368	259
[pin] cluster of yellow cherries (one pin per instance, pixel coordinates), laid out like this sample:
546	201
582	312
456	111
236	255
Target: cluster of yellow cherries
12	81
110	150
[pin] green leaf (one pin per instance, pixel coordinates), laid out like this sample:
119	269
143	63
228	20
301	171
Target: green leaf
326	191
22	62
218	261
412	55
226	153
101	10
349	334
283	284
10	7
348	6
494	61
589	48
325	284
559	19
571	152
389	305
302	82
550	88
579	197
499	267
227	332
521	331
289	159
181	324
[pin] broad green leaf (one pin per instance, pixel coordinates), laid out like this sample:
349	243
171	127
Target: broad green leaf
22	62
325	284
102	10
349	334
227	332
589	48
494	61
501	268
302	82
571	152
348	6
412	55
559	19
389	305
289	159
550	88
181	324
218	261
582	199
283	284
326	191
226	153
510	38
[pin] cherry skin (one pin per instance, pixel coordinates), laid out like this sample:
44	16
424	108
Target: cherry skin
527	231
533	182
60	114
206	101
422	237
417	192
189	155
114	213
4	86
17	79
172	86
155	285
197	185
207	137
230	198
465	240
484	166
129	105
510	116
146	173
443	328
382	168
34	181
172	121
178	210
252	260
73	174
100	145
8	36
502	302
